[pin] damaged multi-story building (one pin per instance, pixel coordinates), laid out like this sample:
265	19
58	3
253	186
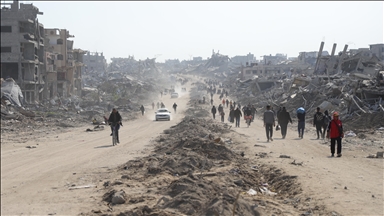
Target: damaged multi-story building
64	64
95	62
22	48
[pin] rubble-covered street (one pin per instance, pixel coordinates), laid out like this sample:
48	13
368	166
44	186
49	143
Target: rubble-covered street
165	111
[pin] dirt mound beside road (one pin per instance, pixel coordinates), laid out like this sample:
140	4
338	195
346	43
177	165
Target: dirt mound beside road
192	174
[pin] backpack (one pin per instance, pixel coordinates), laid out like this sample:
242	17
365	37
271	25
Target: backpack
300	110
327	119
319	117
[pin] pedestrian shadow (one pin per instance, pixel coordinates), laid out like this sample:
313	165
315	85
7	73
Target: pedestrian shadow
277	138
262	142
297	139
104	146
315	139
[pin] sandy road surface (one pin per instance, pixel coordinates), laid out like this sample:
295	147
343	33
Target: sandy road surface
37	181
323	178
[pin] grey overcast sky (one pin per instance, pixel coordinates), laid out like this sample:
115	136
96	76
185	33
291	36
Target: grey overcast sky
177	29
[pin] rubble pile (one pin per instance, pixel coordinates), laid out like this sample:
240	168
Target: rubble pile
129	65
352	95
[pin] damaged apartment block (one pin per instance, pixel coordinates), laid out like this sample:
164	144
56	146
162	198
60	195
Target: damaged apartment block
22	48
64	64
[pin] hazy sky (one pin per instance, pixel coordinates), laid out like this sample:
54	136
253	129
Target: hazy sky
193	28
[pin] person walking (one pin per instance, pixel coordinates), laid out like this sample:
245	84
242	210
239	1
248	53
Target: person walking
213	111
327	119
283	118
301	121
223	102
220	108
336	133
142	109
222	114
248	114
211	101
174	106
269	122
237	114
158	105
227	102
153	105
318	122
277	114
253	110
231	115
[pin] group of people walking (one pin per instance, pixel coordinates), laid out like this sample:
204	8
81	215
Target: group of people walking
234	115
326	127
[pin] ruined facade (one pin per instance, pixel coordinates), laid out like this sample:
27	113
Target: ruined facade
95	62
378	50
64	64
273	60
22	48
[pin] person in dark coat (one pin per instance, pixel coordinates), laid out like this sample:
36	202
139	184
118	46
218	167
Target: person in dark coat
222	114
231	115
318	122
213	111
283	118
253	110
115	119
220	108
142	109
237	114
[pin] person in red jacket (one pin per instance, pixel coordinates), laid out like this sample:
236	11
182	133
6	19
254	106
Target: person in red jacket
335	132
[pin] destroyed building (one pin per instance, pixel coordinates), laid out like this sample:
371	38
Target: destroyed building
361	60
310	57
129	65
273	60
378	50
22	48
95	62
242	60
64	76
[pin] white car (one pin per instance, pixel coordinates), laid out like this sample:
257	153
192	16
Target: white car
174	95
163	114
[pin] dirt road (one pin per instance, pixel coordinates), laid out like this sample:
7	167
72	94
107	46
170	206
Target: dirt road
350	185
37	181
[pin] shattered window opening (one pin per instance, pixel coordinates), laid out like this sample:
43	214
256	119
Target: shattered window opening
6	28
59	41
6	49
